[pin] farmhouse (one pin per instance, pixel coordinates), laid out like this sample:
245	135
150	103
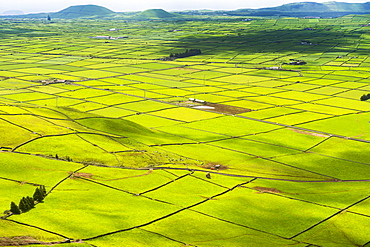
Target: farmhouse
303	42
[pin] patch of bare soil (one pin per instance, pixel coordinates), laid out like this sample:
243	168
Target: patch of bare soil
214	166
227	108
265	189
27	240
17	241
220	108
309	133
81	175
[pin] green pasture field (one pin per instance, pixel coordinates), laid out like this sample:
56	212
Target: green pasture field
332	166
270	112
192	134
232	126
69	146
10	229
289	138
167	91
145	106
325	109
57	102
345	237
246	200
258	149
276	101
113	99
86	223
154	74
249	103
185	114
14	135
352	125
301	96
260	90
242	79
194	223
24	97
111	112
321	193
330	90
210	97
93	74
151	121
36	125
37	170
108	128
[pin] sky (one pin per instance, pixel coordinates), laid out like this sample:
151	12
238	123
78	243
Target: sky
37	6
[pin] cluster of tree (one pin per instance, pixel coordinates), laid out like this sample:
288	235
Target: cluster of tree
365	97
296	62
27	203
67	158
187	53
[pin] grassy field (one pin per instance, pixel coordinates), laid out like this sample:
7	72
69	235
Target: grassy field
236	146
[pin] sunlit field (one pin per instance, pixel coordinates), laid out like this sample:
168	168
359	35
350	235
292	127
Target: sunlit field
260	140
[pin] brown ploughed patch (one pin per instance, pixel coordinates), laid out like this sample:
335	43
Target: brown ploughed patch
265	189
81	175
17	241
309	133
227	108
220	108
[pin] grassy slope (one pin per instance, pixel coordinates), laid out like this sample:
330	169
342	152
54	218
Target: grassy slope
82	11
155	14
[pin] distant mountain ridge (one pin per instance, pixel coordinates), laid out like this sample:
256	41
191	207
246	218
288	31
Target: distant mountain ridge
300	9
309	8
321	7
13	12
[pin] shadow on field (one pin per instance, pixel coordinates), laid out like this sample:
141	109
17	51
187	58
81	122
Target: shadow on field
273	40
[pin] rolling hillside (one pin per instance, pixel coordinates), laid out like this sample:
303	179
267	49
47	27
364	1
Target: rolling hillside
154	14
82	11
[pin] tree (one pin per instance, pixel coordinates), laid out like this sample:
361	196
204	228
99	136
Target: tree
40	193
187	53
23	205
365	97
37	196
43	190
49	18
14	208
30	202
26	204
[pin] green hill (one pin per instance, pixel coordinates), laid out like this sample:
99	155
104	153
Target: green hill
82	11
154	14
